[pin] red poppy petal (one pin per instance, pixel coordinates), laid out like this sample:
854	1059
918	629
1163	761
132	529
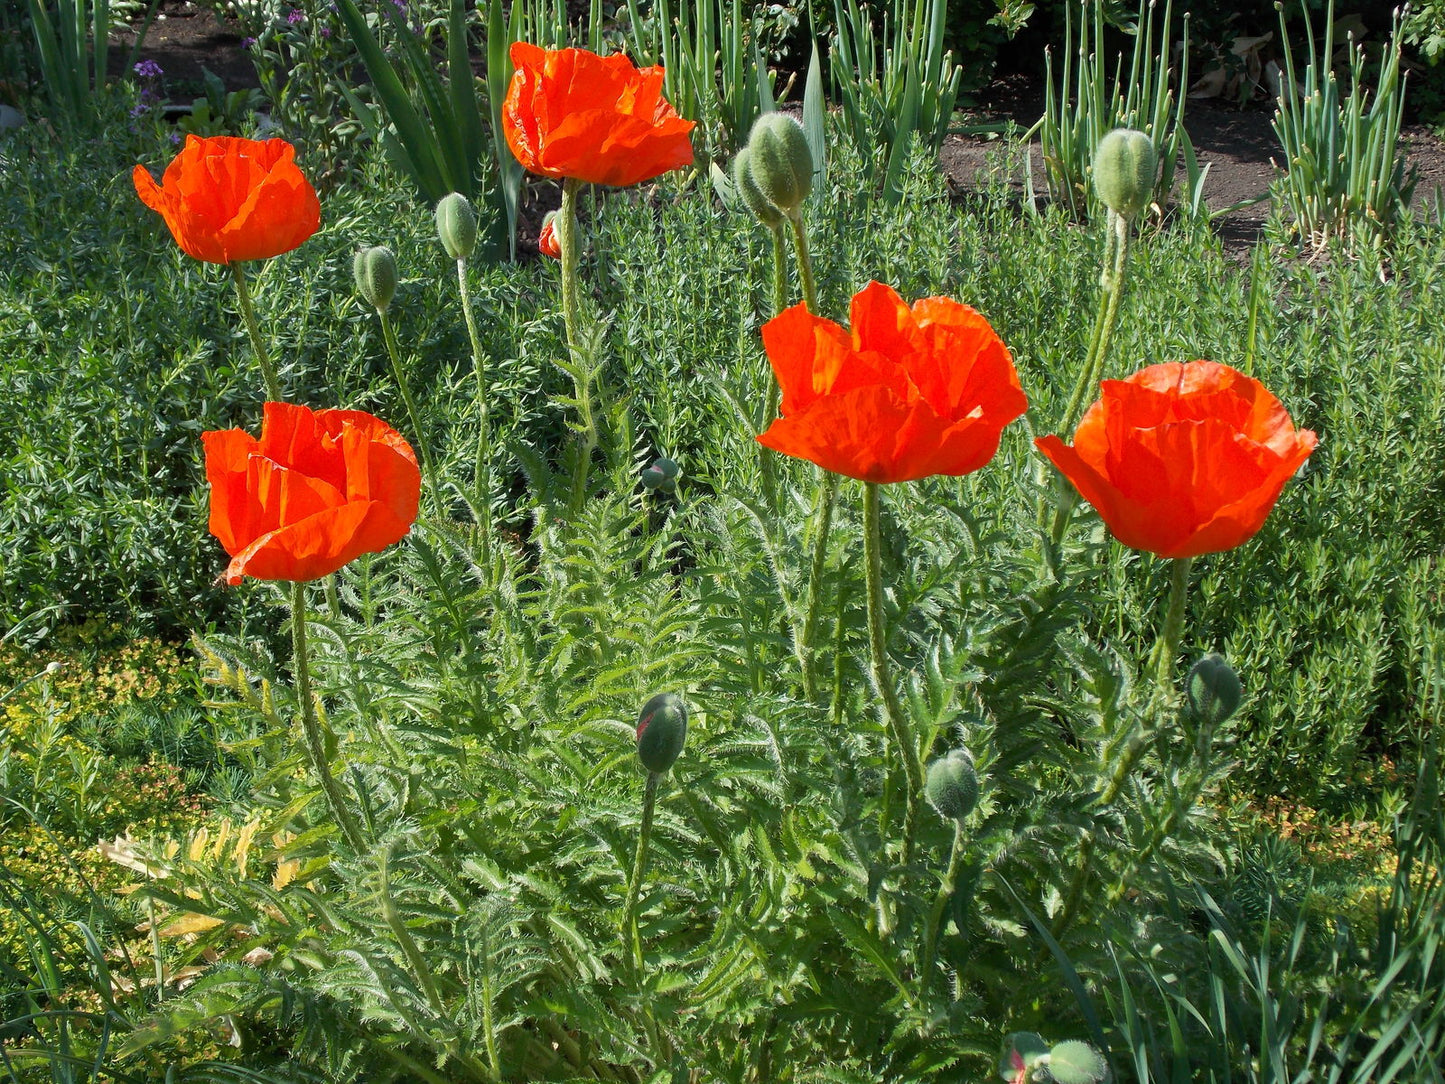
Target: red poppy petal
1135	523
227	453
869	433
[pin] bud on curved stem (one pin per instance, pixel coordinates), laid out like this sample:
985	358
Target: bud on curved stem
457	226
779	162
1124	166
374	270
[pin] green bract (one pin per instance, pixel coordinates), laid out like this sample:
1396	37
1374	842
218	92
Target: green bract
661	731
457	225
1124	168
779	162
952	785
375	272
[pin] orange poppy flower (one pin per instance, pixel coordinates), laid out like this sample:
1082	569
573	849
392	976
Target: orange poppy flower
1182	459
547	243
571	113
317	490
910	393
228	199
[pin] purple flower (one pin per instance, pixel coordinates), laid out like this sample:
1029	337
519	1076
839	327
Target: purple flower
148	69
326	31
175	137
246	43
400	5
296	15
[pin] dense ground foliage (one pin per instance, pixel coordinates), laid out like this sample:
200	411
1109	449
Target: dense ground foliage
481	700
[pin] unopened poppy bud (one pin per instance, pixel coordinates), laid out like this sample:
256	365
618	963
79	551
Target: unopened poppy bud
1076	1062
661	475
1124	168
457	225
780	162
759	204
1213	689
547	243
661	731
952	785
375	272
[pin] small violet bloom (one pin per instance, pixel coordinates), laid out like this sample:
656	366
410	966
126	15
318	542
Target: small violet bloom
296	15
148	69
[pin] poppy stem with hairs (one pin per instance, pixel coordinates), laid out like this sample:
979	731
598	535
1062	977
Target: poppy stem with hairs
1111	292
934	928
775	391
310	728
1136	734
894	715
393	351
248	316
482	476
582	367
632	942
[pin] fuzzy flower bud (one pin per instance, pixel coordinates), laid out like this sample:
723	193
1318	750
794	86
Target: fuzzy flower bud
1076	1062
1213	689
952	785
457	225
779	161
1124	168
375	272
747	188
661	475
661	731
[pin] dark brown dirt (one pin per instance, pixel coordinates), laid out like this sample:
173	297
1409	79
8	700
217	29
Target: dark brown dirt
1237	144
186	40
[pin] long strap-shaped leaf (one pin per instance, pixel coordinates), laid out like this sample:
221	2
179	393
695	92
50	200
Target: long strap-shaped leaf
415	137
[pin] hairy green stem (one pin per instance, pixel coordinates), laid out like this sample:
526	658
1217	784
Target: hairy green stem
631	939
1136	735
896	718
822	529
310	728
805	261
404	939
770	408
258	347
566	226
933	930
482	474
1111	292
388	334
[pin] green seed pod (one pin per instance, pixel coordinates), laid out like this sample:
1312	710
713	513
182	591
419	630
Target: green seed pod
375	272
1076	1062
1213	689
751	195
457	225
1124	168
779	161
661	731
952	785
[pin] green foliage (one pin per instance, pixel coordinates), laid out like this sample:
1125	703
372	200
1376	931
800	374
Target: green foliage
896	85
1345	170
712	53
478	702
1086	104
